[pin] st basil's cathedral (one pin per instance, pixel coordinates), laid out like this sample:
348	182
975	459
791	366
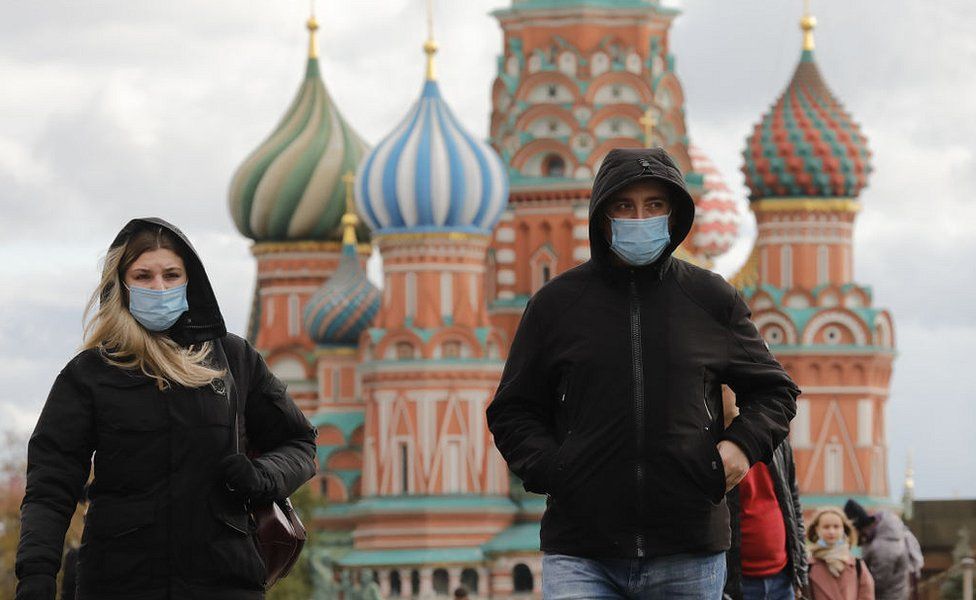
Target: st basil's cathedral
413	494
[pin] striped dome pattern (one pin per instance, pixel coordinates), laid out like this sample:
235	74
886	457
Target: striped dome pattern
290	187
430	175
806	145
716	212
344	306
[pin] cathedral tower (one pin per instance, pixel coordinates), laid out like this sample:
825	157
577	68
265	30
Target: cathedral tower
434	489
288	196
577	78
806	162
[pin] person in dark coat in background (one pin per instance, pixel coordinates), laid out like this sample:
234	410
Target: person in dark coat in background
610	401
890	550
147	396
768	557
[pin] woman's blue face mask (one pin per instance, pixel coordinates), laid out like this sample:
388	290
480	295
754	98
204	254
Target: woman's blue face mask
157	310
639	242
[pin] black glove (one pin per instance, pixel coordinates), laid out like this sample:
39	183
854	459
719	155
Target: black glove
37	587
241	475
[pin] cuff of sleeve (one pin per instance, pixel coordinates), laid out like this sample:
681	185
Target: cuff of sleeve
741	439
37	587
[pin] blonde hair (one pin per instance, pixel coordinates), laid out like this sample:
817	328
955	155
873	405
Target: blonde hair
125	343
849	529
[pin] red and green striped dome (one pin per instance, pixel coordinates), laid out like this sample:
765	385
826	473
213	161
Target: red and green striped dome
806	145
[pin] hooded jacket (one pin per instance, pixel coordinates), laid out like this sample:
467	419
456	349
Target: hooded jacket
160	524
610	401
893	555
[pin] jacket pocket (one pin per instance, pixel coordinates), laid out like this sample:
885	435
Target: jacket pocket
113	518
118	549
233	552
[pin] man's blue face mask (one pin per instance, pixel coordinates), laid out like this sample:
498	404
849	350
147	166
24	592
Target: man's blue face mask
157	310
639	242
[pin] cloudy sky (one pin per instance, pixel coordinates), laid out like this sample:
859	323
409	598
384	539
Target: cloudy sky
111	109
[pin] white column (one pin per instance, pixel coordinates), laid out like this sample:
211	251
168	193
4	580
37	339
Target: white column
453	579
426	582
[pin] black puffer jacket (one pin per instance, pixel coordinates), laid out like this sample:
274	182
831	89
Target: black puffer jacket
610	401
783	471
160	523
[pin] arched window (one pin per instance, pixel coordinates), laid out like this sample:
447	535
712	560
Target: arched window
441	582
554	166
469	580
451	349
546	274
522	579
395	585
786	267
404	351
415	582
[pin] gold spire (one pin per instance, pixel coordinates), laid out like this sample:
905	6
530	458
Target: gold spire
349	220
313	26
807	24
430	46
649	122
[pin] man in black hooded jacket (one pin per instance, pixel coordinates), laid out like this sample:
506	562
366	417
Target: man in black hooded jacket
610	402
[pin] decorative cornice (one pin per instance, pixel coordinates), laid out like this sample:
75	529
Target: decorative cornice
262	248
803	204
453	236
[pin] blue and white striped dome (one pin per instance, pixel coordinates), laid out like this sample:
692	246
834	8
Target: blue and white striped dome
431	175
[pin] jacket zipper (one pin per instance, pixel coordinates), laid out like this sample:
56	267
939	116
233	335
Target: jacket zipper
708	413
638	366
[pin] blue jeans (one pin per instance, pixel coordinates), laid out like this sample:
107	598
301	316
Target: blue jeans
774	587
681	577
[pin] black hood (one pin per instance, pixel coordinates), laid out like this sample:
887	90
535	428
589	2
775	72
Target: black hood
624	166
203	321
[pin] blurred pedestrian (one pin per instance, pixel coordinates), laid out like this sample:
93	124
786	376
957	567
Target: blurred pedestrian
768	559
890	550
834	572
148	396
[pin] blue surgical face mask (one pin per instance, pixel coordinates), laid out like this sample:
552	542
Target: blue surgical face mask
157	310
823	543
639	242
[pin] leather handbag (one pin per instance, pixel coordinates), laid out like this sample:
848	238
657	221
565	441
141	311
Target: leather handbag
280	533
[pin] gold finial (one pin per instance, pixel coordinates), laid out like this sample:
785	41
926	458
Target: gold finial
349	219
430	46
313	26
649	122
807	24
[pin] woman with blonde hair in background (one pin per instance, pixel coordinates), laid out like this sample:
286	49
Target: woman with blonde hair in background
148	397
834	572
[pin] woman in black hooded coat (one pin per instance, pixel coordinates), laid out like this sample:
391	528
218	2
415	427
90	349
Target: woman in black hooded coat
147	396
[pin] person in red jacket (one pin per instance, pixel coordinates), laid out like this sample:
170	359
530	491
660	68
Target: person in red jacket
767	560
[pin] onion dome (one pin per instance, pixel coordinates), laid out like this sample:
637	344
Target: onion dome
806	145
716	212
430	174
347	303
290	187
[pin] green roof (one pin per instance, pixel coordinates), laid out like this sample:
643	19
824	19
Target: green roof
346	422
523	537
420	556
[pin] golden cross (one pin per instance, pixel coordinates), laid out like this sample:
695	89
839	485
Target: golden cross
648	121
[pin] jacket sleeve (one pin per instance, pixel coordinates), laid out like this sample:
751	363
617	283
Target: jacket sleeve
764	393
277	430
520	415
58	463
801	569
